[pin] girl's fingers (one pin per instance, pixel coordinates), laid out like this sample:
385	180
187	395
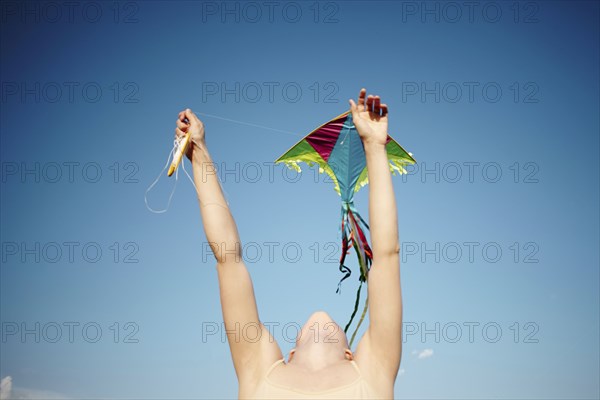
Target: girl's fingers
190	116
370	103
361	99
179	133
353	106
182	125
377	105
384	110
187	116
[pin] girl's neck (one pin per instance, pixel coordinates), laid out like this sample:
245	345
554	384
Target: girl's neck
317	356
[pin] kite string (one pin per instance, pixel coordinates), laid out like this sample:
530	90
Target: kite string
247	123
188	175
176	144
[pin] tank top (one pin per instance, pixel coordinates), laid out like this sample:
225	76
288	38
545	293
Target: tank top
359	389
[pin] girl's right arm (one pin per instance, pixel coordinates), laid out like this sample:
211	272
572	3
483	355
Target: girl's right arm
381	345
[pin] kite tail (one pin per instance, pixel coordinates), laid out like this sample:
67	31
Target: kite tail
346	239
360	321
355	307
353	236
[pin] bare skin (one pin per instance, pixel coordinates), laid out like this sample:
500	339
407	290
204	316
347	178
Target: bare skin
321	358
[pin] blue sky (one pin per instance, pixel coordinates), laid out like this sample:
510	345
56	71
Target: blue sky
499	223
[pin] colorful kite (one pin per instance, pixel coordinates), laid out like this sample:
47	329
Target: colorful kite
338	150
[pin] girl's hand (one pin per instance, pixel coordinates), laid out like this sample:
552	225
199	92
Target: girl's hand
188	122
370	118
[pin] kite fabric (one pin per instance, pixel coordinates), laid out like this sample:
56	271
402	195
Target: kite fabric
337	149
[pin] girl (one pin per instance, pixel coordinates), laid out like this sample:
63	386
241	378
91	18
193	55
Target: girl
321	365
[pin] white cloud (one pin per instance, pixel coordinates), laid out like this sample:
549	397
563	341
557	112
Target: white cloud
5	388
8	392
425	353
401	372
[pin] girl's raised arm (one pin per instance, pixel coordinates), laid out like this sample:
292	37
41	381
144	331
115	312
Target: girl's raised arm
252	347
381	346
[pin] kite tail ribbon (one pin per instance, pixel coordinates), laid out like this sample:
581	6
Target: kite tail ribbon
353	236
